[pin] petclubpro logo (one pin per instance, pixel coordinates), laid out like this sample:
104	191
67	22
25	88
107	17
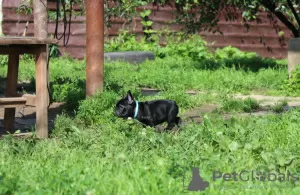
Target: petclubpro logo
197	183
252	175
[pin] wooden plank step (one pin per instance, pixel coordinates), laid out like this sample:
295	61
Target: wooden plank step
12	102
19	135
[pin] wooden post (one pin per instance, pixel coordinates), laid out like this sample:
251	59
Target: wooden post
42	98
11	90
293	54
94	46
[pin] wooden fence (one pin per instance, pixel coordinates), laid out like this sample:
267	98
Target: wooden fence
261	37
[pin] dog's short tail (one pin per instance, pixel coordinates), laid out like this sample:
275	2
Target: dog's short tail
178	121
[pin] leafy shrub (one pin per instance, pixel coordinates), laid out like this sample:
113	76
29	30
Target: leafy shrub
233	57
54	50
292	85
247	105
67	81
3	60
279	107
128	42
97	108
69	90
250	105
230	52
193	46
27	57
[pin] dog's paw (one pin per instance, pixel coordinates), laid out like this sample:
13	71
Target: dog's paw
175	131
159	129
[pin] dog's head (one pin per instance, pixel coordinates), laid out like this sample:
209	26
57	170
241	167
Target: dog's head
125	106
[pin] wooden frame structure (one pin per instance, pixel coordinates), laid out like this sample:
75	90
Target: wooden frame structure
14	47
37	45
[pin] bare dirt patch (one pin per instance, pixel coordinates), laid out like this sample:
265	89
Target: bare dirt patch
25	118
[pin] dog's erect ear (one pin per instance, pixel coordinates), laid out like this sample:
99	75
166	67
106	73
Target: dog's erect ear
130	97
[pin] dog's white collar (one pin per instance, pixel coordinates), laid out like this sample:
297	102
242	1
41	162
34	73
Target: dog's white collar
136	109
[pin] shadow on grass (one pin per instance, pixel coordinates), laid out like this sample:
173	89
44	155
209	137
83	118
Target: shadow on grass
68	90
73	91
253	64
27	122
2	85
62	89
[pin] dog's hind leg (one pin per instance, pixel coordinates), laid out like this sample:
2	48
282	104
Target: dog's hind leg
178	122
172	119
172	124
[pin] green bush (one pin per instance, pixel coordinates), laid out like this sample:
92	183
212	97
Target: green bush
97	108
279	107
239	105
292	85
192	46
128	42
233	57
3	60
68	90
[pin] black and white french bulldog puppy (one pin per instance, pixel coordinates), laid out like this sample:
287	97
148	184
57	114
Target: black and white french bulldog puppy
149	113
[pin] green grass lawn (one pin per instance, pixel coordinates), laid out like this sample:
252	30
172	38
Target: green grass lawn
93	152
172	75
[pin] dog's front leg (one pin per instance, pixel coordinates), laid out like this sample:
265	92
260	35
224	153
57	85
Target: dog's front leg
146	120
170	126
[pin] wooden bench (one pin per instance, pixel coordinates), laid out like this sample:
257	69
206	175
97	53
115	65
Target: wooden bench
12	102
14	47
